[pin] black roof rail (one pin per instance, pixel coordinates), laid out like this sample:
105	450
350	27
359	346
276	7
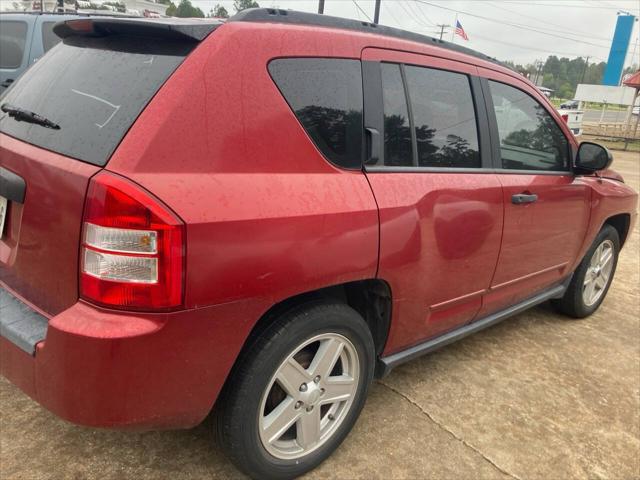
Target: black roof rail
292	17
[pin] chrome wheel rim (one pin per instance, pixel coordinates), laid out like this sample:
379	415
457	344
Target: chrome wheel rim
598	273
309	396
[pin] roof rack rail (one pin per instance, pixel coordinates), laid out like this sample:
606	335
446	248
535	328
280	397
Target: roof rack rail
292	17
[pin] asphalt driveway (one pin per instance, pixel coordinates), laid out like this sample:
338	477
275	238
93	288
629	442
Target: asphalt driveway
538	396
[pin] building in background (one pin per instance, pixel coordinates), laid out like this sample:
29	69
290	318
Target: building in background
132	7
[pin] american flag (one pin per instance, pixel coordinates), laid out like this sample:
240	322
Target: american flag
460	31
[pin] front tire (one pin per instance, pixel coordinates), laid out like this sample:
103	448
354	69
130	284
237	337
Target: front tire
593	277
297	391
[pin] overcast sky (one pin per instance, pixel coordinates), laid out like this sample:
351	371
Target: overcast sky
518	30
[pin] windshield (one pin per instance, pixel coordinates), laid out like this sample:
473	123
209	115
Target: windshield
94	89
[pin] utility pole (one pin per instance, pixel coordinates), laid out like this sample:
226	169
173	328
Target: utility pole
539	73
376	14
320	7
584	70
442	27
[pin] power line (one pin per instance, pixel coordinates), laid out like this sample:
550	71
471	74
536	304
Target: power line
523	27
421	13
413	15
361	10
392	14
577	33
526	47
563	5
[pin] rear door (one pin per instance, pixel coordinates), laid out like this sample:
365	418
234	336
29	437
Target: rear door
16	32
91	89
440	208
546	206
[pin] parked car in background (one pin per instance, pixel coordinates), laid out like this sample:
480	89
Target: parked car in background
570	105
24	38
636	110
256	218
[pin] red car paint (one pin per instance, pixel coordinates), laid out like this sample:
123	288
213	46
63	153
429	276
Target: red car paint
267	218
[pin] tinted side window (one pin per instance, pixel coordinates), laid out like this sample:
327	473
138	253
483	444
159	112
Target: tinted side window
49	39
530	139
397	130
13	36
326	96
444	118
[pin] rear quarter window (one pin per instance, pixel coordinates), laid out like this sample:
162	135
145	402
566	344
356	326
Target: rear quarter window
326	97
94	88
13	39
49	39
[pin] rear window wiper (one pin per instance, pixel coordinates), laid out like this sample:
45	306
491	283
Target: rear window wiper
22	115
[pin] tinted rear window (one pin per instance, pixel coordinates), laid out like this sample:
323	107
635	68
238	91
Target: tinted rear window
326	96
13	36
94	88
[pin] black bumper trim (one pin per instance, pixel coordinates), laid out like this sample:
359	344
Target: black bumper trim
20	324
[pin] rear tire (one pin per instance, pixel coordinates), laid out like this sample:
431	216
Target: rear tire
296	391
593	277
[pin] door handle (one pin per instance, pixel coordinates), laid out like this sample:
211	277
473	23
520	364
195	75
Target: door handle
6	83
521	198
373	146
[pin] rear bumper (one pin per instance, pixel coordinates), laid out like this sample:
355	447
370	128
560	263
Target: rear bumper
121	370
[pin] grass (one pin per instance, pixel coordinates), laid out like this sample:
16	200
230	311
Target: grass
612	144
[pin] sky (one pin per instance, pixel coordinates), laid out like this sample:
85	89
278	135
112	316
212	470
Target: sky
522	31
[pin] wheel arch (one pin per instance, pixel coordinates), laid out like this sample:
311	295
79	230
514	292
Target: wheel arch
621	223
371	298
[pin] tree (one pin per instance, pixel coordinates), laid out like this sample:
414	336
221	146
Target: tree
240	5
184	9
219	12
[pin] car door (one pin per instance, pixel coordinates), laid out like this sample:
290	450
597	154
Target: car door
440	209
15	43
546	206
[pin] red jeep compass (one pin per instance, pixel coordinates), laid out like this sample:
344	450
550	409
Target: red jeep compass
261	216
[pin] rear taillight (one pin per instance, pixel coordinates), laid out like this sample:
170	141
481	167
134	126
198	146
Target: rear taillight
565	117
132	254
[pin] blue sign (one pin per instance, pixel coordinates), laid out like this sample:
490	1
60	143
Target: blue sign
618	52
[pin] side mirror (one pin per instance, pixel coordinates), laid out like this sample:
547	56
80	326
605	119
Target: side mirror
592	157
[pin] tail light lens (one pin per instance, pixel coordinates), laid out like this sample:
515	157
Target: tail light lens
565	117
132	248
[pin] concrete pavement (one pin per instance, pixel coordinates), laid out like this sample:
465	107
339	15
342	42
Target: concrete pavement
538	396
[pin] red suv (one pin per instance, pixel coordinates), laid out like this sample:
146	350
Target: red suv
261	216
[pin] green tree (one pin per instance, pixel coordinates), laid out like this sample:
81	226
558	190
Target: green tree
219	12
185	9
172	10
240	5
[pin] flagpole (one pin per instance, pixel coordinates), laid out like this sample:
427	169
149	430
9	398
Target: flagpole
453	30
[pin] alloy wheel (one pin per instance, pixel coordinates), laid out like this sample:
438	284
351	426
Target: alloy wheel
309	396
598	273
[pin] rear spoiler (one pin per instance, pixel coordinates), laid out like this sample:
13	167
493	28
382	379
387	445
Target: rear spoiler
172	28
